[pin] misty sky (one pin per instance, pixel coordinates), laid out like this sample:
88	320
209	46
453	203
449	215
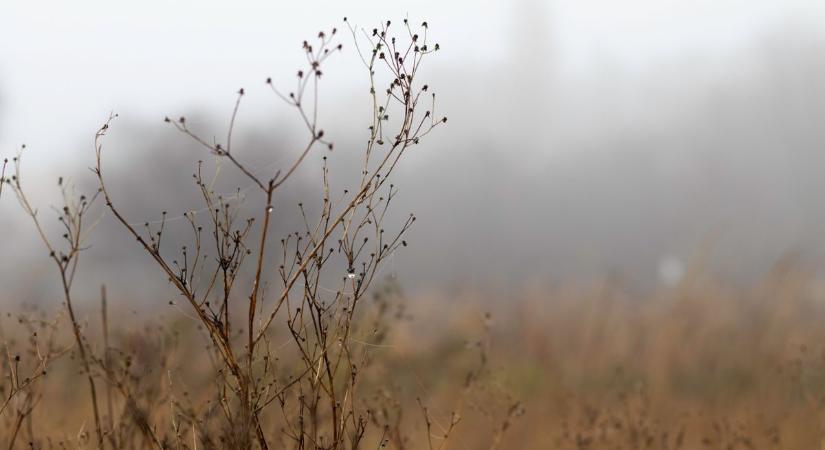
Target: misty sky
65	65
585	136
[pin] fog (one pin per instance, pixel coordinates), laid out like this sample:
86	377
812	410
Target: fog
586	138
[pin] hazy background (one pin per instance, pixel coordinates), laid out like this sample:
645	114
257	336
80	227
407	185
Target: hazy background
586	138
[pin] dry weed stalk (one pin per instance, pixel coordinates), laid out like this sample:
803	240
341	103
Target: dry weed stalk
72	216
289	356
21	374
319	400
3	180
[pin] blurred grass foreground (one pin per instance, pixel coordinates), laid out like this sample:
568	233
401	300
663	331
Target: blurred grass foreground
699	365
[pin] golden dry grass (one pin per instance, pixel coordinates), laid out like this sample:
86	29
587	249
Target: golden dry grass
698	366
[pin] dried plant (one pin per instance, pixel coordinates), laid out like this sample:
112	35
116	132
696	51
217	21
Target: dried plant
22	371
289	358
72	217
3	181
319	398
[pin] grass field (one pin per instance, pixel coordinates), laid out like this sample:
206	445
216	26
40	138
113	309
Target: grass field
697	366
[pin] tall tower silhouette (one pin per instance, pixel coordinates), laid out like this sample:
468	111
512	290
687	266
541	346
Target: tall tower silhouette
533	65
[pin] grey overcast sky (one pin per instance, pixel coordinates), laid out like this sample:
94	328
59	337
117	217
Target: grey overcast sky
65	65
